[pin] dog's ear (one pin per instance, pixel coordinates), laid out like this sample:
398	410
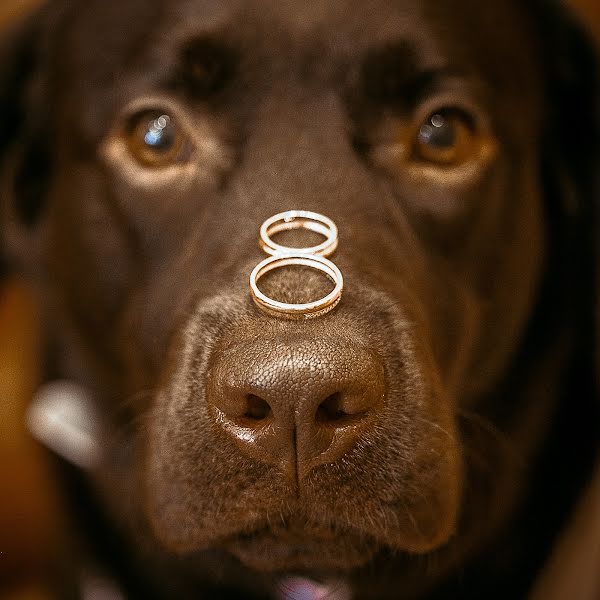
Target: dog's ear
573	104
570	164
26	58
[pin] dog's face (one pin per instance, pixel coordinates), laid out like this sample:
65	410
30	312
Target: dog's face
352	440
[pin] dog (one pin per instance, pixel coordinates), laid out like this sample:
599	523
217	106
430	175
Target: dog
429	436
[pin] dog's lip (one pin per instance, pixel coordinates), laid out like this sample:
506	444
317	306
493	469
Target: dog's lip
283	535
316	552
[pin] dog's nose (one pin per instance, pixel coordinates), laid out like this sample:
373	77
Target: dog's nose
296	405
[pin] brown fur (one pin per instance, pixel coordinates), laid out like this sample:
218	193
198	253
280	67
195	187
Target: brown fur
455	276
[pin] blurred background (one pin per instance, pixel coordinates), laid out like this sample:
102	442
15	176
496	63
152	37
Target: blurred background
29	519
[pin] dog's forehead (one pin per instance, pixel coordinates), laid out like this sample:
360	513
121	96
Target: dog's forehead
116	52
343	25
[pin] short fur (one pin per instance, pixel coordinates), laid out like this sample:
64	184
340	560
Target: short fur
474	286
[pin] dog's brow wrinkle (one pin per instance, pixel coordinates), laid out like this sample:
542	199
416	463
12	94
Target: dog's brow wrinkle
397	71
206	65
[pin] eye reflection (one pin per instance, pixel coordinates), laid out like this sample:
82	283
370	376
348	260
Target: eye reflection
438	132
446	137
155	140
159	133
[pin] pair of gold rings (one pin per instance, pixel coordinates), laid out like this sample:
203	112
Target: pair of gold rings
313	257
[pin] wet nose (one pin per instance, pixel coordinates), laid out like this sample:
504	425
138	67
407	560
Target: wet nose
295	405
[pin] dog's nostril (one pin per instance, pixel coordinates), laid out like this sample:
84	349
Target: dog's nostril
257	409
332	411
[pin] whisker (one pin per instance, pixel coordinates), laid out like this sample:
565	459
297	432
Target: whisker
485	425
436	426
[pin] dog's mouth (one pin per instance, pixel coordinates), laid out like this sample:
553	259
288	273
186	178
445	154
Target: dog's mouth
308	551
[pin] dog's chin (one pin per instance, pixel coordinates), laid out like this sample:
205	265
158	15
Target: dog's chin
278	552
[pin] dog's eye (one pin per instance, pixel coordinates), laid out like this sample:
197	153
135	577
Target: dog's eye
155	140
445	137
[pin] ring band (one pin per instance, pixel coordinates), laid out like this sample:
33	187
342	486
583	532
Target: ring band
308	310
299	219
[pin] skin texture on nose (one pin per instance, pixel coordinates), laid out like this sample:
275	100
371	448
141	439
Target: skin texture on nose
319	397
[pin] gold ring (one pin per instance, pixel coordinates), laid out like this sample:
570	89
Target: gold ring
308	310
299	219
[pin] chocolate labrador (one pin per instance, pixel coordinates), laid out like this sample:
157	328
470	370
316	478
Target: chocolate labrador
427	437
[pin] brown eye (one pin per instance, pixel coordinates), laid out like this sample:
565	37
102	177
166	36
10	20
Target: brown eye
155	140
446	137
